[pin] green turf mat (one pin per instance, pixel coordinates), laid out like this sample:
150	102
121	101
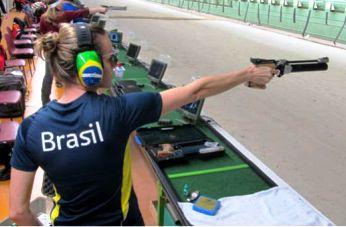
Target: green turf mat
197	164
230	158
218	185
207	171
238	181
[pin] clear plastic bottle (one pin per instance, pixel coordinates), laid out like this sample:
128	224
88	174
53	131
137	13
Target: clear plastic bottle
119	71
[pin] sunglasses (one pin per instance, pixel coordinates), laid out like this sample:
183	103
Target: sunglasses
112	57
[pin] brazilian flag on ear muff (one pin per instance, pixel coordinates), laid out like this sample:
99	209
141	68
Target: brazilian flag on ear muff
89	68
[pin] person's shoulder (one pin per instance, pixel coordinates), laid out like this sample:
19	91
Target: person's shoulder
102	98
41	114
28	121
38	114
141	96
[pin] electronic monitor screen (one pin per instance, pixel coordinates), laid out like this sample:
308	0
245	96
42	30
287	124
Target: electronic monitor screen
133	51
157	70
101	23
193	110
95	18
116	37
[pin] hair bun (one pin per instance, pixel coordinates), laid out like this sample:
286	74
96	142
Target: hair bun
50	42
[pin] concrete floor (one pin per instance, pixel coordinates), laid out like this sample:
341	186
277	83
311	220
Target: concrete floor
296	126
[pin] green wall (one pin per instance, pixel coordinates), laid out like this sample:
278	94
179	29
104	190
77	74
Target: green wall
320	18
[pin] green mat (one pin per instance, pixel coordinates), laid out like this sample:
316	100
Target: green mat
227	175
218	185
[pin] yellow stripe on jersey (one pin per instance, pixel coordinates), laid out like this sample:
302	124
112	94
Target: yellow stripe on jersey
55	212
126	181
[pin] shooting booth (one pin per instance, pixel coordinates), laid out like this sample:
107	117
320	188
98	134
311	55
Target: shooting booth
190	155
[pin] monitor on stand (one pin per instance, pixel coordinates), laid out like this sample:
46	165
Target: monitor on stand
133	52
156	71
192	111
116	37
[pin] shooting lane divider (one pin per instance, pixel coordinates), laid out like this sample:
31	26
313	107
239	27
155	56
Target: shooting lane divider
246	11
307	23
341	29
258	14
207	171
239	9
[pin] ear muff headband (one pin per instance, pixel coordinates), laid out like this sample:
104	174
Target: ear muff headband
88	62
84	36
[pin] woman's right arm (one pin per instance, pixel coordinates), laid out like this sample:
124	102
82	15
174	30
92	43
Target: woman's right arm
68	16
20	193
93	10
213	85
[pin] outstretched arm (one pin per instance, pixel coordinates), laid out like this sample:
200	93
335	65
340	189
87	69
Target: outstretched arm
213	85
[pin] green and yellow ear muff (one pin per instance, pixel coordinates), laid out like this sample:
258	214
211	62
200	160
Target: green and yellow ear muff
89	68
88	62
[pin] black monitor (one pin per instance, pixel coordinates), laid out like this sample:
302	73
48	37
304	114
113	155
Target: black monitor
98	21
116	37
95	18
156	71
133	51
192	110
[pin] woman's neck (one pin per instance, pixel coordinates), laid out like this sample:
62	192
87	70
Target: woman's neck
71	93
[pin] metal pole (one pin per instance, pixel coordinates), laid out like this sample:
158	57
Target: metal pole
307	23
342	28
202	7
268	14
247	9
239	8
258	14
160	205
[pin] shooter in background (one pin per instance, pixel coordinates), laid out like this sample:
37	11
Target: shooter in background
80	139
72	5
49	22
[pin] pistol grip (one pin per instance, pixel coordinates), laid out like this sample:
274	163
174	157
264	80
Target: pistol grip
270	65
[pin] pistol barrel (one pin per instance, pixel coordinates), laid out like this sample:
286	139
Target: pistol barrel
309	67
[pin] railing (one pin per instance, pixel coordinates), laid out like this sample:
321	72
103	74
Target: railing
318	18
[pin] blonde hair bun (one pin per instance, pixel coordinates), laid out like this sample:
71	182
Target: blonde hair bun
50	42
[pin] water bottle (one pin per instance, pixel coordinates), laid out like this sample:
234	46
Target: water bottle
119	71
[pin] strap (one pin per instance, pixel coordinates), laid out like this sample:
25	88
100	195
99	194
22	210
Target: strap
84	36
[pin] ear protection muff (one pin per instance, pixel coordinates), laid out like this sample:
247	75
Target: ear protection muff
88	62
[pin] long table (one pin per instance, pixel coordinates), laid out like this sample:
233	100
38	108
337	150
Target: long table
237	172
